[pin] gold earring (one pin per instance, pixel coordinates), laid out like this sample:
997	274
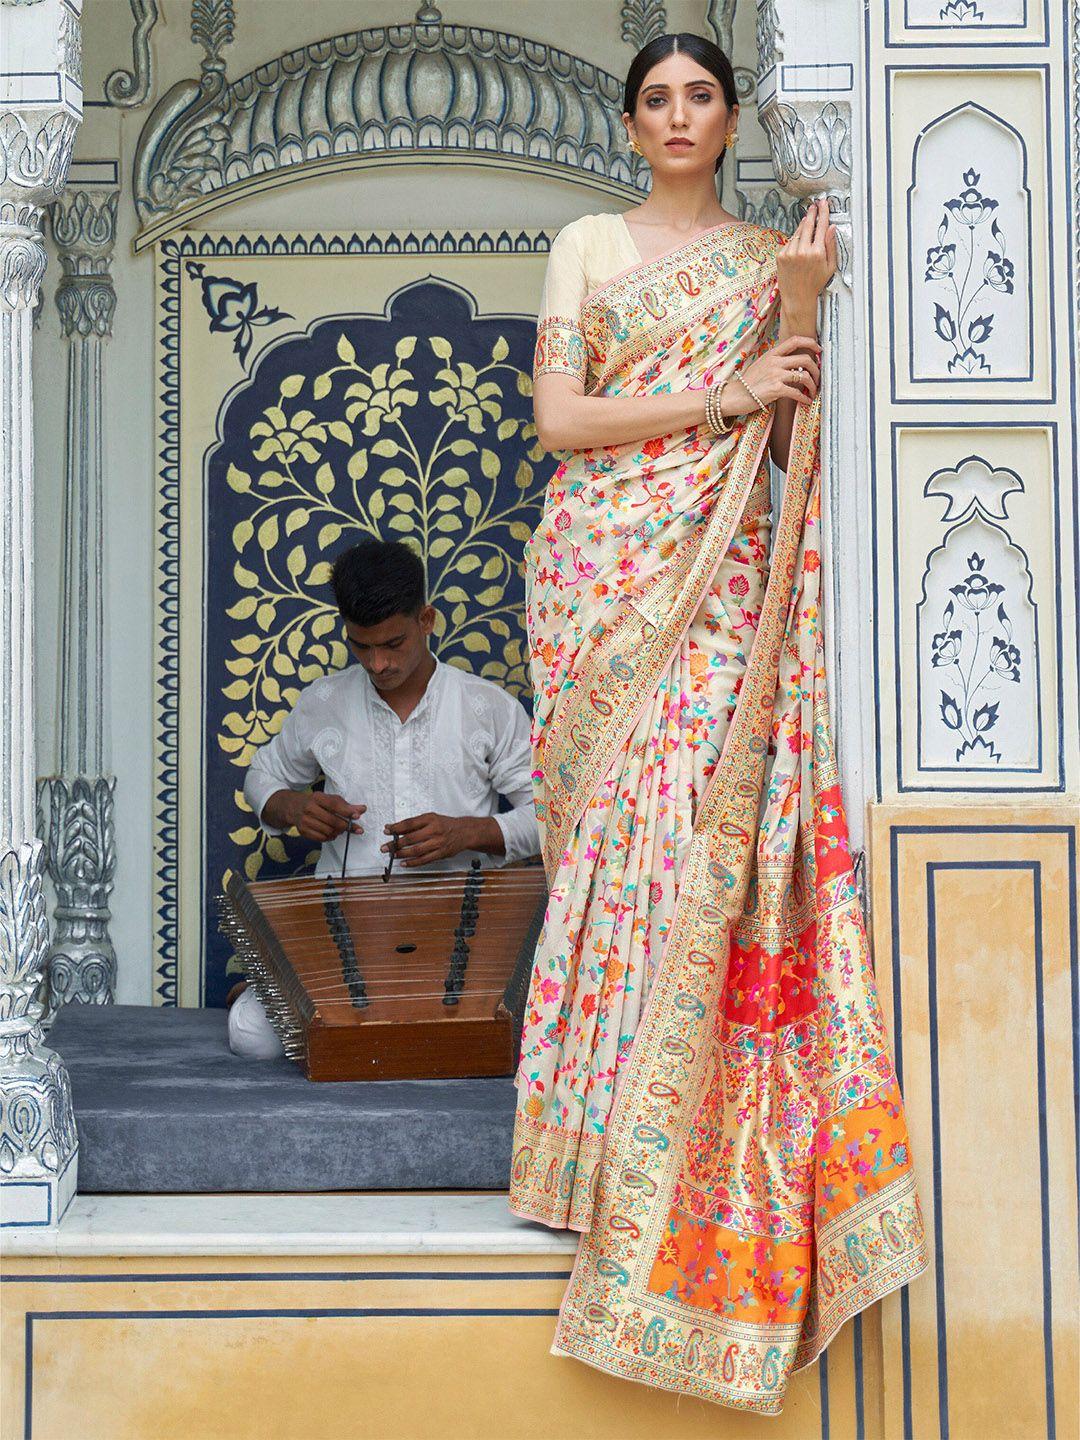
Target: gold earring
636	148
733	135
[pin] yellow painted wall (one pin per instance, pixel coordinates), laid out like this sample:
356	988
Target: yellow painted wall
975	950
280	1348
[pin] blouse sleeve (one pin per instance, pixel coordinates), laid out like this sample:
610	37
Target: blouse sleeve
560	342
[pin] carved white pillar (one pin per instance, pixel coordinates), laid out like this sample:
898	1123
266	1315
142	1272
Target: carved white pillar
76	804
807	59
40	110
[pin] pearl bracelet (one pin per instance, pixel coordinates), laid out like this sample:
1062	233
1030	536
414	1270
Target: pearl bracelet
715	418
752	393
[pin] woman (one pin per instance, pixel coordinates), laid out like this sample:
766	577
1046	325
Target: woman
705	1089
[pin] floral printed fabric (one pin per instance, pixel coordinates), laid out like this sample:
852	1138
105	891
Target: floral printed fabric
614	520
705	1088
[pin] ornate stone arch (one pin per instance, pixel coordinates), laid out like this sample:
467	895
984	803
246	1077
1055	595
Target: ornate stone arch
424	90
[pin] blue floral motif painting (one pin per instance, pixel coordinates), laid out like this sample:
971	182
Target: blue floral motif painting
969	654
977	630
969	261
961	12
233	307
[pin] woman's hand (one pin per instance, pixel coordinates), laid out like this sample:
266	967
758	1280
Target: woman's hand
806	264
774	376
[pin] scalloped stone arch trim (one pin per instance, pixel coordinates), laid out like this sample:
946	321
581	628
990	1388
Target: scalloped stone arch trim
421	93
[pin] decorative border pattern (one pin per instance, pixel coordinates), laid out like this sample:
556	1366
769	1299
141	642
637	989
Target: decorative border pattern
172	254
166	862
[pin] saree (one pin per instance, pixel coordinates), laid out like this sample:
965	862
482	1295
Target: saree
705	1089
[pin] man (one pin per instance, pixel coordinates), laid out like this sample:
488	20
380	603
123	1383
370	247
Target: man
414	754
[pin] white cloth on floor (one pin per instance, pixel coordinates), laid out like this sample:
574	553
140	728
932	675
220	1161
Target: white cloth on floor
465	744
250	1031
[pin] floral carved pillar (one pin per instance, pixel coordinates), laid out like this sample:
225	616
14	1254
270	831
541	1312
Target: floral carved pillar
40	110
807	63
76	804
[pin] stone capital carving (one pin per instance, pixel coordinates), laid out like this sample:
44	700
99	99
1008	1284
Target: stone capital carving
37	1125
810	142
76	818
809	129
22	255
35	151
84	223
86	304
39	115
34	158
84	228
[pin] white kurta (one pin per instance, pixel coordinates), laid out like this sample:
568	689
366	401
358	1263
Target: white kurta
465	744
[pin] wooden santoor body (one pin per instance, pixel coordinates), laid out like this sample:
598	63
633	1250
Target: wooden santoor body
359	976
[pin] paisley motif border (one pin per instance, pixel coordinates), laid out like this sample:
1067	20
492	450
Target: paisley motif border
676	286
543	1176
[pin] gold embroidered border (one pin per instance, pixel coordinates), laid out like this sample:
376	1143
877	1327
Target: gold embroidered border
550	1162
894	1210
649	340
774	1352
759	246
560	348
729	806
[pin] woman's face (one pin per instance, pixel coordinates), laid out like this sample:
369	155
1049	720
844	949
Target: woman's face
680	101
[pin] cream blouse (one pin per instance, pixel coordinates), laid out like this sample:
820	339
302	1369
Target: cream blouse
585	254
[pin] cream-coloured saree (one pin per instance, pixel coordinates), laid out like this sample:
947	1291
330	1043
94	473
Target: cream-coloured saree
705	1087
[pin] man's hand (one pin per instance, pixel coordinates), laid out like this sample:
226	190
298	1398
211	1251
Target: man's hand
316	815
425	838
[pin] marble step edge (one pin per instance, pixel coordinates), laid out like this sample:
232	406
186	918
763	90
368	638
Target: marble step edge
413	1223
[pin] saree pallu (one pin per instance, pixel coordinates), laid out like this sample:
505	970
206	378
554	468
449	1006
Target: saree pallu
705	1084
